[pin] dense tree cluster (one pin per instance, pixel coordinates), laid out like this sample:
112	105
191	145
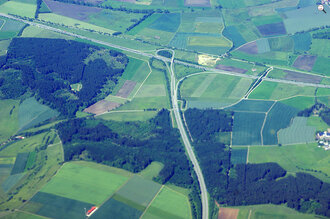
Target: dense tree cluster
248	184
49	66
95	140
322	35
319	109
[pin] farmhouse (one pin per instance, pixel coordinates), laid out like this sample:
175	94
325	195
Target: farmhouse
324	139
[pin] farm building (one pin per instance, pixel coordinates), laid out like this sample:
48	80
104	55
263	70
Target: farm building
324	139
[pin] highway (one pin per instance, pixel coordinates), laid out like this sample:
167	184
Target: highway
203	68
189	149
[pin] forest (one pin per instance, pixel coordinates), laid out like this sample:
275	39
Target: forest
49	66
249	184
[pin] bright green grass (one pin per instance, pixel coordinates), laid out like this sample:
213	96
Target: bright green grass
276	73
131	68
58	19
277	91
18	8
157	36
317	122
30	161
270	212
7	160
300	102
306	156
84	184
261	20
152	170
320	47
129	116
209	41
203	85
8	118
144	24
155	90
32	31
169	204
22	215
139	103
114	20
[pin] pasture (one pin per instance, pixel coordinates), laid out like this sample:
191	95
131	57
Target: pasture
247	127
83	183
279	117
270	211
317	122
62	20
322	66
168	204
147	22
32	31
277	91
152	170
297	133
11	25
320	47
8	118
31	113
20	163
295	158
302	42
11	181
18	8
284	44
299	102
167	22
209	41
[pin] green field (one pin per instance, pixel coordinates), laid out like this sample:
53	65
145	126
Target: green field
58	19
3	46
270	212
167	205
261	20
31	113
21	215
317	122
220	89
209	41
300	102
320	47
32	31
238	155
297	133
8	118
84	183
128	116
276	91
152	170
322	66
18	8
295	158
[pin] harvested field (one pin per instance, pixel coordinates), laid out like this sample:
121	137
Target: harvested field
197	3
126	89
272	29
305	62
101	107
228	213
231	68
250	48
300	77
78	12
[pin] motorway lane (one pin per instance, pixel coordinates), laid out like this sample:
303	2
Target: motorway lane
157	57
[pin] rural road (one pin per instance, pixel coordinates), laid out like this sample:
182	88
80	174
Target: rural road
164	59
191	154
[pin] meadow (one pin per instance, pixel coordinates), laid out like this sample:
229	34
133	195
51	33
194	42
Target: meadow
32	113
8	118
32	31
19	8
128	116
295	158
84	184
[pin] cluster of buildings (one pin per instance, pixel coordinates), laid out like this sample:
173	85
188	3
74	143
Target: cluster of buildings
323	139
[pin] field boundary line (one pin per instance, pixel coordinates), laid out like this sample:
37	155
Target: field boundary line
3	24
145	210
142	82
250	212
263	124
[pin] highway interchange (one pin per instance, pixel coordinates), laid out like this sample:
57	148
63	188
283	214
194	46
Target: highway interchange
174	94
